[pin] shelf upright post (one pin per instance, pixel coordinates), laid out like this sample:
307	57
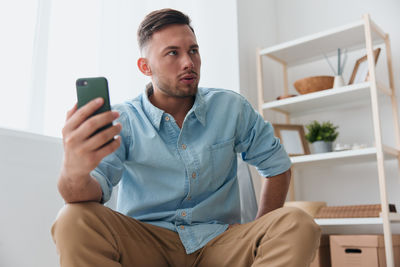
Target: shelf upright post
260	87
285	82
285	87
285	79
393	97
378	143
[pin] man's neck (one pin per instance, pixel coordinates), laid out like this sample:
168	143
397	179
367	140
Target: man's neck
178	107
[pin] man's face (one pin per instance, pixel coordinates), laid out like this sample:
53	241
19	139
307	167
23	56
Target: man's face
174	60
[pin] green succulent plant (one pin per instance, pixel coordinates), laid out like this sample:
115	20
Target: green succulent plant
324	131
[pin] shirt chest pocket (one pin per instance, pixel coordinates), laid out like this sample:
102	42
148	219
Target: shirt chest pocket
222	158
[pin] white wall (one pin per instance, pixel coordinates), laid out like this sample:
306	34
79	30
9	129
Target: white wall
215	30
96	38
29	200
257	28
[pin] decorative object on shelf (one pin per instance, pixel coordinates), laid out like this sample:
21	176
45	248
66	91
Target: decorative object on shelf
321	135
358	146
293	139
313	84
338	81
353	211
360	72
311	207
284	96
342	147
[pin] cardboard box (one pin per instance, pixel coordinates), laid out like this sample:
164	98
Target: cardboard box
323	255
362	250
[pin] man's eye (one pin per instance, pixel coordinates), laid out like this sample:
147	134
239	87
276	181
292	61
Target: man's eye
172	53
194	51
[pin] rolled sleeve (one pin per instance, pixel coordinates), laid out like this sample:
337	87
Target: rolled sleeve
258	145
106	188
110	170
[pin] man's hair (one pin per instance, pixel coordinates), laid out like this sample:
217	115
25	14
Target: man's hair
157	20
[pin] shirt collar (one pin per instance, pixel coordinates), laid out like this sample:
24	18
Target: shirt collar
199	107
155	114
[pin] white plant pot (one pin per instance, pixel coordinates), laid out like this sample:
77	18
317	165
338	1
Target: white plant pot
322	146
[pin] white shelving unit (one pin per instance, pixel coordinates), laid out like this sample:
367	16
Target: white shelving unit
362	34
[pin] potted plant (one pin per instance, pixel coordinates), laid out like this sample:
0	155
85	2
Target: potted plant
321	135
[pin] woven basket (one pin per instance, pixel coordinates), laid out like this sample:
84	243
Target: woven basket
311	207
313	84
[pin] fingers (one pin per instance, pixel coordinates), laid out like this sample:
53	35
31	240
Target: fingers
97	141
90	126
108	149
78	116
71	112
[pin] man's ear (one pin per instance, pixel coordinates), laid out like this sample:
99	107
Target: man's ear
144	66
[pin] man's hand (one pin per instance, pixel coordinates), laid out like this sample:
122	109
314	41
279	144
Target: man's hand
83	152
273	193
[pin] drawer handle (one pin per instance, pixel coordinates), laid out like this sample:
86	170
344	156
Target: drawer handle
352	250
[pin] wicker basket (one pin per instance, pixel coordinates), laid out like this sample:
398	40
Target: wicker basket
311	207
313	84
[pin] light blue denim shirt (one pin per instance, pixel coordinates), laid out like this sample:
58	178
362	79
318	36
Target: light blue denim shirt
185	179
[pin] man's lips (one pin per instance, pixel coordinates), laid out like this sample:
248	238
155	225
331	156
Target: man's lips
188	78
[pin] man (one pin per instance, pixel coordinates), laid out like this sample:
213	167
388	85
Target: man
175	162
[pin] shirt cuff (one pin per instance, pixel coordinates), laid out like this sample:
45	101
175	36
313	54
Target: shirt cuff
106	193
280	163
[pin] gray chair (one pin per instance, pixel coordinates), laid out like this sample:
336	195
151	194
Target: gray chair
248	201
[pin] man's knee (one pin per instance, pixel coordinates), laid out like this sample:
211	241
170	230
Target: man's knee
73	218
299	221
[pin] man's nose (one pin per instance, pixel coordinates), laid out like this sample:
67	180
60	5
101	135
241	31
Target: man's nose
187	62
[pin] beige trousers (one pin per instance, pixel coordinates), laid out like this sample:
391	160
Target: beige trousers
89	234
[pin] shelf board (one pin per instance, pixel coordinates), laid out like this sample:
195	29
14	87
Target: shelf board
393	217
356	155
365	153
309	48
312	102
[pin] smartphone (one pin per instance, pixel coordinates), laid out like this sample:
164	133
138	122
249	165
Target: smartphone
88	89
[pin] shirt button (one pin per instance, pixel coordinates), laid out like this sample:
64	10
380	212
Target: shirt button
166	118
183	146
183	214
193	175
182	227
189	198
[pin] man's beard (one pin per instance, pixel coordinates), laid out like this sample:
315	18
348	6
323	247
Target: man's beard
180	91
